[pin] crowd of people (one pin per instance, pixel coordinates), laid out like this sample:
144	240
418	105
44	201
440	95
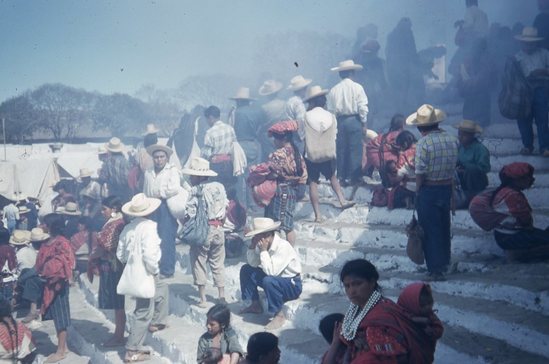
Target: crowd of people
122	227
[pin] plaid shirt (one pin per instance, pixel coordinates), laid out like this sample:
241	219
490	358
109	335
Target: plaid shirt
218	140
436	156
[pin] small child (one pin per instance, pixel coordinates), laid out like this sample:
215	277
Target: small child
330	328
417	301
212	356
219	335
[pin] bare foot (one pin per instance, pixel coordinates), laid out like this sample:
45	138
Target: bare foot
320	219
276	322
253	308
347	204
55	357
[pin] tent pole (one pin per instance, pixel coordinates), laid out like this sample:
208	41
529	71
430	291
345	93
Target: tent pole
4	134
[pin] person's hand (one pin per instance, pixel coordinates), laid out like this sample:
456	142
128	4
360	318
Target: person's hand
335	338
263	245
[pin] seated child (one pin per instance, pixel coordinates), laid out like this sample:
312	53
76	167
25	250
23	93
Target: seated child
330	328
219	335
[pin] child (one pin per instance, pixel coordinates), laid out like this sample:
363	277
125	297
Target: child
212	356
416	300
15	338
219	335
329	327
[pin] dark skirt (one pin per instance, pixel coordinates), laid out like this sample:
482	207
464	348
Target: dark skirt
282	206
108	298
59	310
6	290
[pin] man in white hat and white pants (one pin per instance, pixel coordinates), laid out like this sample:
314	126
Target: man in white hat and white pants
273	264
348	101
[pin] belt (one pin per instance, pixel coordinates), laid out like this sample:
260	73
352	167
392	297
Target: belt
216	223
443	182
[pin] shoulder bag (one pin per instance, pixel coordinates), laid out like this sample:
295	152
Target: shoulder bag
136	281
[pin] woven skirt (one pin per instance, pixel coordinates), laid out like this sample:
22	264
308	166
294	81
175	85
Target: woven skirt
282	206
59	310
108	298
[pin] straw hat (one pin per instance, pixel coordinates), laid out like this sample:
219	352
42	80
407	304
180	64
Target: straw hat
262	225
156	147
426	115
315	91
299	82
199	167
70	208
270	87
114	145
151	129
469	126
243	93
20	237
23	210
37	234
347	65
529	34
140	205
85	172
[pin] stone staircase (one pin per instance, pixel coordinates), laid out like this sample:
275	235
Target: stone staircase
494	311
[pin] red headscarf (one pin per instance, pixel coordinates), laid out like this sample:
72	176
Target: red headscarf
283	127
517	170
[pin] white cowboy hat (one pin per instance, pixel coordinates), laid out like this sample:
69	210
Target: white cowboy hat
270	87
140	205
156	147
299	82
20	237
199	167
262	225
85	172
114	145
315	91
347	65
23	209
469	126
70	208
243	93
37	234
529	34
426	115
151	129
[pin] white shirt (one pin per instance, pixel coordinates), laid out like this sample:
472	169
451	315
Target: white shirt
295	110
535	61
348	98
26	257
143	232
11	212
280	260
165	184
216	200
92	189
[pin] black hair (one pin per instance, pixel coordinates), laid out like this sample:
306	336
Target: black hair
397	122
212	111
289	136
150	139
4	236
221	314
211	356
318	101
9	322
427	128
346	73
405	139
55	224
360	268
327	324
112	202
260	344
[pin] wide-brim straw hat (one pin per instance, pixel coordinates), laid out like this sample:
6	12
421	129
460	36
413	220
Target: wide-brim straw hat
20	237
199	167
315	91
85	172
426	115
140	205
298	82
243	93
529	34
70	208
37	234
347	65
151	129
469	126
156	147
270	87
115	145
262	225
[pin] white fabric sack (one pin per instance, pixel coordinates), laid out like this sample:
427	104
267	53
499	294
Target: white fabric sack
239	159
177	203
135	280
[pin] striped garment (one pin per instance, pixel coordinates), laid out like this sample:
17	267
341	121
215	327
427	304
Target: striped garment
218	140
436	156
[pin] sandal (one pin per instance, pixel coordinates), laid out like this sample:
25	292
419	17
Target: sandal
135	356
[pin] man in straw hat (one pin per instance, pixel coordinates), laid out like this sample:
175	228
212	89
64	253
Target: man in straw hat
248	119
218	146
275	110
348	101
534	63
114	171
435	161
295	108
320	147
213	251
162	182
150	137
150	314
273	264
88	186
473	160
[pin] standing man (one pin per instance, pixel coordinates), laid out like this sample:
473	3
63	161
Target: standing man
348	101
295	108
218	145
275	110
11	215
162	182
436	158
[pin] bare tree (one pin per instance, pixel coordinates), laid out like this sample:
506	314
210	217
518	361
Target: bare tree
20	117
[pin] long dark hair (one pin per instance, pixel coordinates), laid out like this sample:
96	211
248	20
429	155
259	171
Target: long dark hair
9	322
289	137
360	268
260	344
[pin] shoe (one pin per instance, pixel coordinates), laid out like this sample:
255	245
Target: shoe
435	277
526	151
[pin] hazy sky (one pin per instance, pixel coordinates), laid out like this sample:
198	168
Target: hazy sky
119	45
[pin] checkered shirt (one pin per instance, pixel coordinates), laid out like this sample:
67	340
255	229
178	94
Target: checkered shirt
218	140
436	156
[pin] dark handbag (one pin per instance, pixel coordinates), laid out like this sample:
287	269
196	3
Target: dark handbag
415	234
195	229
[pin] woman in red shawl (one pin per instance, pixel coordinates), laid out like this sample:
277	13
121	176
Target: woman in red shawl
54	264
103	261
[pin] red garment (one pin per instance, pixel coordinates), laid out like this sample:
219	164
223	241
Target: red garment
8	341
108	237
282	127
517	170
514	203
483	213
389	148
79	239
54	262
258	174
7	254
236	213
282	162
